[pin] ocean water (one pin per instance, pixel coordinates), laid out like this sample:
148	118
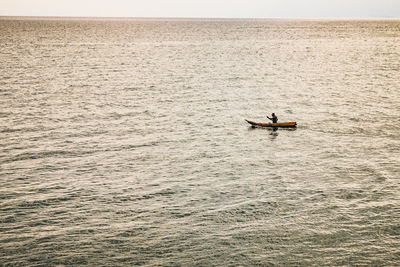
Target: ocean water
123	142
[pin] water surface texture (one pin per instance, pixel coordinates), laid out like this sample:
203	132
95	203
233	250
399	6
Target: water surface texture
123	142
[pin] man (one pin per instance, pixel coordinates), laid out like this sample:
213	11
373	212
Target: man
274	118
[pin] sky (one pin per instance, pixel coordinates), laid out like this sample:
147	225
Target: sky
204	8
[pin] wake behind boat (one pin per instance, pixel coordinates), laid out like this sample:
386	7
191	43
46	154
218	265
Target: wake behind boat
291	124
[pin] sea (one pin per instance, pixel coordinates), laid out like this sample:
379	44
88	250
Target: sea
123	142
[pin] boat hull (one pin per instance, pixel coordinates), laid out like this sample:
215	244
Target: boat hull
291	124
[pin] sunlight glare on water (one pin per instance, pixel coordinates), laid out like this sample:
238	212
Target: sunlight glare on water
123	142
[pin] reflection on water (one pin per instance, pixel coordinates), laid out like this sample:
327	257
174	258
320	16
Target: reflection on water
274	133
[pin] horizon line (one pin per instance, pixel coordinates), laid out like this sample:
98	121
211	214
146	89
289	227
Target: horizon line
190	18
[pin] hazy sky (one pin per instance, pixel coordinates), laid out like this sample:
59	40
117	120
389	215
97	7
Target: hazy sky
204	8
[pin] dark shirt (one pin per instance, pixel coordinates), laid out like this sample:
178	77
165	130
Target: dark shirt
274	119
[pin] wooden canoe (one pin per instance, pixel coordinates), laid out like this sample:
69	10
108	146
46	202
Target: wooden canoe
291	124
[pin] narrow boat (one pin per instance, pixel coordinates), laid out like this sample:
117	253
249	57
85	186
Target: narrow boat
291	124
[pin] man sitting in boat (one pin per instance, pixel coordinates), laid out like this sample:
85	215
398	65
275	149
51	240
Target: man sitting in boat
274	118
